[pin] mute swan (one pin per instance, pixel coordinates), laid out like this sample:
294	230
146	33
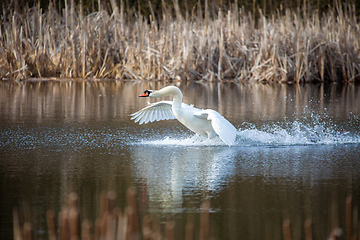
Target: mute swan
202	122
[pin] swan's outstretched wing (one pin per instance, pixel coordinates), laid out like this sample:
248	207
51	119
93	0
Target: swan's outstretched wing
222	127
155	112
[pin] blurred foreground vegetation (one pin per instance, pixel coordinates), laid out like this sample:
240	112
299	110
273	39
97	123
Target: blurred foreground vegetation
115	223
259	40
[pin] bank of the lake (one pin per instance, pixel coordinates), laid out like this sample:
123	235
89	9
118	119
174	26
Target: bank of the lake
290	46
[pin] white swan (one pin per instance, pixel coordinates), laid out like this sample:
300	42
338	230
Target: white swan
202	122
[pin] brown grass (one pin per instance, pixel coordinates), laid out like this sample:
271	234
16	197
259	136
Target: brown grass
203	45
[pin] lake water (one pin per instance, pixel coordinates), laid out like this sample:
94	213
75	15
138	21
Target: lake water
297	155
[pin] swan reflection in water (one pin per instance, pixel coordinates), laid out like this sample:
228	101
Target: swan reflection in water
170	174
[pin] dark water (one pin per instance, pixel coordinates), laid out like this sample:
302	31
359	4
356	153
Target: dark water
297	155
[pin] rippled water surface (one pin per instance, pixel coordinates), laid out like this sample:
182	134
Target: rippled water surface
297	155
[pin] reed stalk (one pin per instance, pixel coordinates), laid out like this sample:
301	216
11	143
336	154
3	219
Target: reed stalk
287	229
207	45
113	224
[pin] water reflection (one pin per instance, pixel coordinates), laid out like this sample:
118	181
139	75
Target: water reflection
84	101
296	154
181	171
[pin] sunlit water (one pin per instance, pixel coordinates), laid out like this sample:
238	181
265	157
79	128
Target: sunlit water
296	155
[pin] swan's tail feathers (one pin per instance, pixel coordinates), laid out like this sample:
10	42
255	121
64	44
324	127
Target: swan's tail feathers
155	112
222	127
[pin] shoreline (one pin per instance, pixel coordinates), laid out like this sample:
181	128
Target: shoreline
168	81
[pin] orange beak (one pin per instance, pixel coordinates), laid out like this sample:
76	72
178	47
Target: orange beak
146	94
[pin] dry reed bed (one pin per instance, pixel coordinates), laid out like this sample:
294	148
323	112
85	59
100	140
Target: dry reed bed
203	45
113	224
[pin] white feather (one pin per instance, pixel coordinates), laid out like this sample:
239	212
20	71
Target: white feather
154	112
222	127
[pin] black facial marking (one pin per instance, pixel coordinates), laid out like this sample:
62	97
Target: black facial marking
146	93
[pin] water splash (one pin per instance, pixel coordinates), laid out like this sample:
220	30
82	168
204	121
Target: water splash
295	133
194	141
307	131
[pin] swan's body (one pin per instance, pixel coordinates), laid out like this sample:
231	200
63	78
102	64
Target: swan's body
202	122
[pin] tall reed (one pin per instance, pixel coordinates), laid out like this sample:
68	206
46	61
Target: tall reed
204	45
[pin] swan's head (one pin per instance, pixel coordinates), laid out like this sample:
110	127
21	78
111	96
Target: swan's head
166	91
153	94
146	93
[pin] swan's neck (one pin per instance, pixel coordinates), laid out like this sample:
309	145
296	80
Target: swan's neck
171	91
177	100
